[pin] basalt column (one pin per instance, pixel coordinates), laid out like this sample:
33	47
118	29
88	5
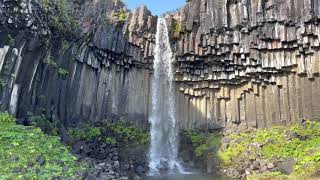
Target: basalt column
246	63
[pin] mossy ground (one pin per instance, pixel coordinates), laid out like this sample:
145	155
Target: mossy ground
301	143
22	146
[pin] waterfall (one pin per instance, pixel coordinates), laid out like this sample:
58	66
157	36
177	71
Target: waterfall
164	147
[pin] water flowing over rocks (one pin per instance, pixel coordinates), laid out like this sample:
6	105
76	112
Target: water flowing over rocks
164	131
237	64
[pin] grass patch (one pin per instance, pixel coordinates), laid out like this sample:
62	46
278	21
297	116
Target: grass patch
21	148
118	132
203	145
302	143
45	125
85	132
128	132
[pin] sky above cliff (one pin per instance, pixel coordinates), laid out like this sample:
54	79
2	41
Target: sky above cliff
157	7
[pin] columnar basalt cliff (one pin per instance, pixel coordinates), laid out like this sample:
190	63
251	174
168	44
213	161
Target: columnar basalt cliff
247	63
77	61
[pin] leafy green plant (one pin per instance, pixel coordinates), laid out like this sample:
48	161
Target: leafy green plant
45	4
176	28
301	143
6	117
2	83
196	138
46	125
111	140
62	21
121	15
21	147
127	132
50	61
86	132
201	143
64	45
62	72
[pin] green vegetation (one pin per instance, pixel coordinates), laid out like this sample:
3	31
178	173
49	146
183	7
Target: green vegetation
10	40
297	142
64	45
45	4
203	144
61	20
111	140
118	132
45	125
62	72
176	28
50	61
2	83
86	132
5	117
121	15
27	153
128	132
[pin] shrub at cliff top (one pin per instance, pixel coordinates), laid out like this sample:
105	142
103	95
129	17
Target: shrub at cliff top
27	153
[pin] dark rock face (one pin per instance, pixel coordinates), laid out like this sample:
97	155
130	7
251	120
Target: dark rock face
242	63
101	72
247	63
121	160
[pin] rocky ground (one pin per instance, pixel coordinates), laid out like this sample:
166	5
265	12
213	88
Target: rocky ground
290	152
110	162
110	150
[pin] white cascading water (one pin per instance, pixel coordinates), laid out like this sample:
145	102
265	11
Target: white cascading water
163	150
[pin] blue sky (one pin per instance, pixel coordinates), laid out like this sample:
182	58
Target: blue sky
157	7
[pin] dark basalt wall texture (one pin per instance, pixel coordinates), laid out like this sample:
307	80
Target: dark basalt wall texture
243	63
99	71
247	63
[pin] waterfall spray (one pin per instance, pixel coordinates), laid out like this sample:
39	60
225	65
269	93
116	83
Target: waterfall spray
164	147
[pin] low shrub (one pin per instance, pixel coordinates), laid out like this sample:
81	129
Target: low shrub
27	153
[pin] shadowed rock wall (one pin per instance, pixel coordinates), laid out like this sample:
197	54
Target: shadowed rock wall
247	63
100	72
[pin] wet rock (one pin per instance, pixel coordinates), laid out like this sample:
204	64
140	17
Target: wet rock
116	165
140	170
